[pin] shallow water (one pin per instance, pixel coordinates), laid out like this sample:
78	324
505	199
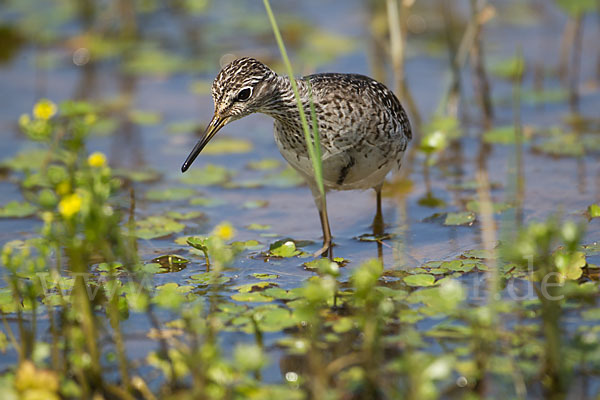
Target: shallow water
565	185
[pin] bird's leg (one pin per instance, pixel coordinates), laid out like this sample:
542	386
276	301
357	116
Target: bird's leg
378	220
327	249
321	203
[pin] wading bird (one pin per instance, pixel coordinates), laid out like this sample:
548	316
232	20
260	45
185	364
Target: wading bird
364	129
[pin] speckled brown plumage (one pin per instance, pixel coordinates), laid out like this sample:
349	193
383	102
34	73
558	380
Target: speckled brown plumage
364	129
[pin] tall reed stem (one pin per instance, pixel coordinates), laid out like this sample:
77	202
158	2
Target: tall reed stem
312	143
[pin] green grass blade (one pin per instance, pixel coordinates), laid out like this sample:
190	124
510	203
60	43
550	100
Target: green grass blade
313	147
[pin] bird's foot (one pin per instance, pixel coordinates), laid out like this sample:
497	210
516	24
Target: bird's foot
325	251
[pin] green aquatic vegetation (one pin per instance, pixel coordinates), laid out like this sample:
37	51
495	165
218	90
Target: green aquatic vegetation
359	332
565	145
144	117
251	297
170	194
206	202
145	175
171	262
209	278
201	87
208	175
419	280
263	275
546	96
429	200
497	208
258	227
284	248
252	204
577	7
149	59
171	295
27	160
460	218
503	135
15	209
250	245
265	164
321	264
593	211
228	145
183	127
512	68
185	215
156	226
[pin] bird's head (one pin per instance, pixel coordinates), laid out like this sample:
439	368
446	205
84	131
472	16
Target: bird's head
241	88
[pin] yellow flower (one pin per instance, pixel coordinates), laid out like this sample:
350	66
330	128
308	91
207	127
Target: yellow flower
70	205
44	109
224	230
97	159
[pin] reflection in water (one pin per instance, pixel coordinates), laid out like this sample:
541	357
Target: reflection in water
126	145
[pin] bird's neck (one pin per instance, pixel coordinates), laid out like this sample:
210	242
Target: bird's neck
282	104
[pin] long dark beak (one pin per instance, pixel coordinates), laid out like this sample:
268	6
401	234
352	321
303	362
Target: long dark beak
216	123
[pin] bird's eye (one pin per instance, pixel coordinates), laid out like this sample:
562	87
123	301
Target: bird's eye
244	94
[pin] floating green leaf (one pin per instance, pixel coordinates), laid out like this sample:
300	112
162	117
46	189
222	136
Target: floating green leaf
512	68
567	145
206	202
262	275
497	208
251	204
419	280
459	218
544	96
141	117
170	194
157	226
250	244
281	294
183	127
256	286
502	135
171	295
171	262
208	175
283	248
258	227
185	216
570	265
31	159
264	164
209	278
228	145
201	87
15	209
145	174
251	297
273	319
593	211
150	60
